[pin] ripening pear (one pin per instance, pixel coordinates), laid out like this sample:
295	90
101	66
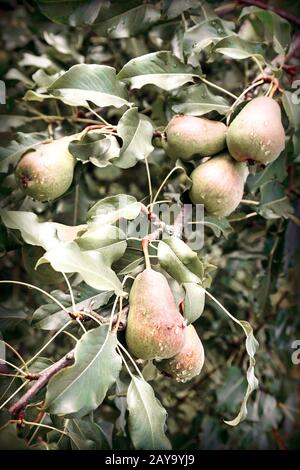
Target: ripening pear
257	133
44	273
189	361
155	328
46	172
187	136
219	184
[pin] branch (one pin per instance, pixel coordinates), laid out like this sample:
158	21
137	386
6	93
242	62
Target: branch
223	10
43	379
279	11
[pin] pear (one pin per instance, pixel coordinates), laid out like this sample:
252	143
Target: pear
219	184
155	328
44	273
187	136
257	133
46	172
188	362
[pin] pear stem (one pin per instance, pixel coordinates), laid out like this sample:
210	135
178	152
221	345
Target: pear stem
237	101
145	244
218	88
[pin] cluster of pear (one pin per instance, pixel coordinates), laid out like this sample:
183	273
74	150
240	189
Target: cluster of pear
157	331
256	135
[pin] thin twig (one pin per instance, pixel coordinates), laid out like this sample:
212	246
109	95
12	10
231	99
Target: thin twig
43	379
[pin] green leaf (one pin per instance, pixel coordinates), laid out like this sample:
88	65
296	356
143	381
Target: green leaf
112	208
124	20
34	232
162	69
220	226
238	48
73	12
136	132
251	348
86	435
22	144
275	170
277	29
97	236
97	148
180	261
274	202
194	301
51	317
197	100
205	34
32	95
82	387
290	103
90	82
93	266
147	417
10	317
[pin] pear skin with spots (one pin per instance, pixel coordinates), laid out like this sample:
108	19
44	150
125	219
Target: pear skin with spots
189	361
155	328
46	173
219	184
257	134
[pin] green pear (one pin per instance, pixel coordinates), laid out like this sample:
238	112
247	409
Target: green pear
46	172
155	328
187	136
44	273
219	184
188	362
257	133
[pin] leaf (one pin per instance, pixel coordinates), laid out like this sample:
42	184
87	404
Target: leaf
175	8
275	170
238	48
90	82
180	261
34	232
123	20
218	225
205	34
86	435
112	208
96	148
147	417
73	12
274	202
97	236
136	132
251	348
197	100
93	267
32	95
82	387
291	106
162	69
51	317
194	301
10	317
22	144
277	29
